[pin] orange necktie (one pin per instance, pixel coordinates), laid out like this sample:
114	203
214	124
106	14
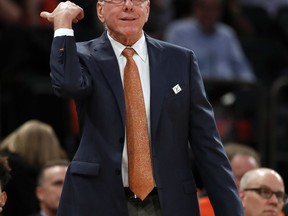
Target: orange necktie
139	160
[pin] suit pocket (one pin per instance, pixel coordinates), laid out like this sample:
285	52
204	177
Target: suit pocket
84	168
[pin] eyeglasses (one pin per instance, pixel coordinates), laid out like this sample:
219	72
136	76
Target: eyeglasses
121	2
268	193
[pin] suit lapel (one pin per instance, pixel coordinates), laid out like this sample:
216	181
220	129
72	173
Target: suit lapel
110	69
103	52
157	82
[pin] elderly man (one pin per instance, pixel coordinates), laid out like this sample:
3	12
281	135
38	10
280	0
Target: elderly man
262	192
140	101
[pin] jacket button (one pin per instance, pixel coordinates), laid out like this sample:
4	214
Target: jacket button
117	171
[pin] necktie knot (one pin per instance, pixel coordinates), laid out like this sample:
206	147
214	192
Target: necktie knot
128	52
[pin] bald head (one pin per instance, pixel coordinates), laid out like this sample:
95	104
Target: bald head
260	175
262	192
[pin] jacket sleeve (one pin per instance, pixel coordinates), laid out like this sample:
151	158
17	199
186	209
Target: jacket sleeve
68	76
209	153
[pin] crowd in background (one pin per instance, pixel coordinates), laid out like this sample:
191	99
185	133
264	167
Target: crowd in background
252	36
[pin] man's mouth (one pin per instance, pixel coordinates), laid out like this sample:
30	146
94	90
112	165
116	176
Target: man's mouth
128	19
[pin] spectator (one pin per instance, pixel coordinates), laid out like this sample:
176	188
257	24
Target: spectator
215	44
262	192
49	187
28	148
242	159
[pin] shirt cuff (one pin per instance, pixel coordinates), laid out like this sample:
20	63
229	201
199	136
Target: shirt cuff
63	32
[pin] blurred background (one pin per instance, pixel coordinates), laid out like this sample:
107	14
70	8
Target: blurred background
254	113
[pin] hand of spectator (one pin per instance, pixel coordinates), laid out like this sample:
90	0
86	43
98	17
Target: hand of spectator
64	15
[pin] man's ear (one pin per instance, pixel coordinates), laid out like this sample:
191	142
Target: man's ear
3	198
241	194
99	9
148	10
39	193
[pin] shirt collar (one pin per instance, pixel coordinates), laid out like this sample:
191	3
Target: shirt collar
140	47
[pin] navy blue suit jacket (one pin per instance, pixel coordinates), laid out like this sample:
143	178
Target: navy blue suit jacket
89	72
